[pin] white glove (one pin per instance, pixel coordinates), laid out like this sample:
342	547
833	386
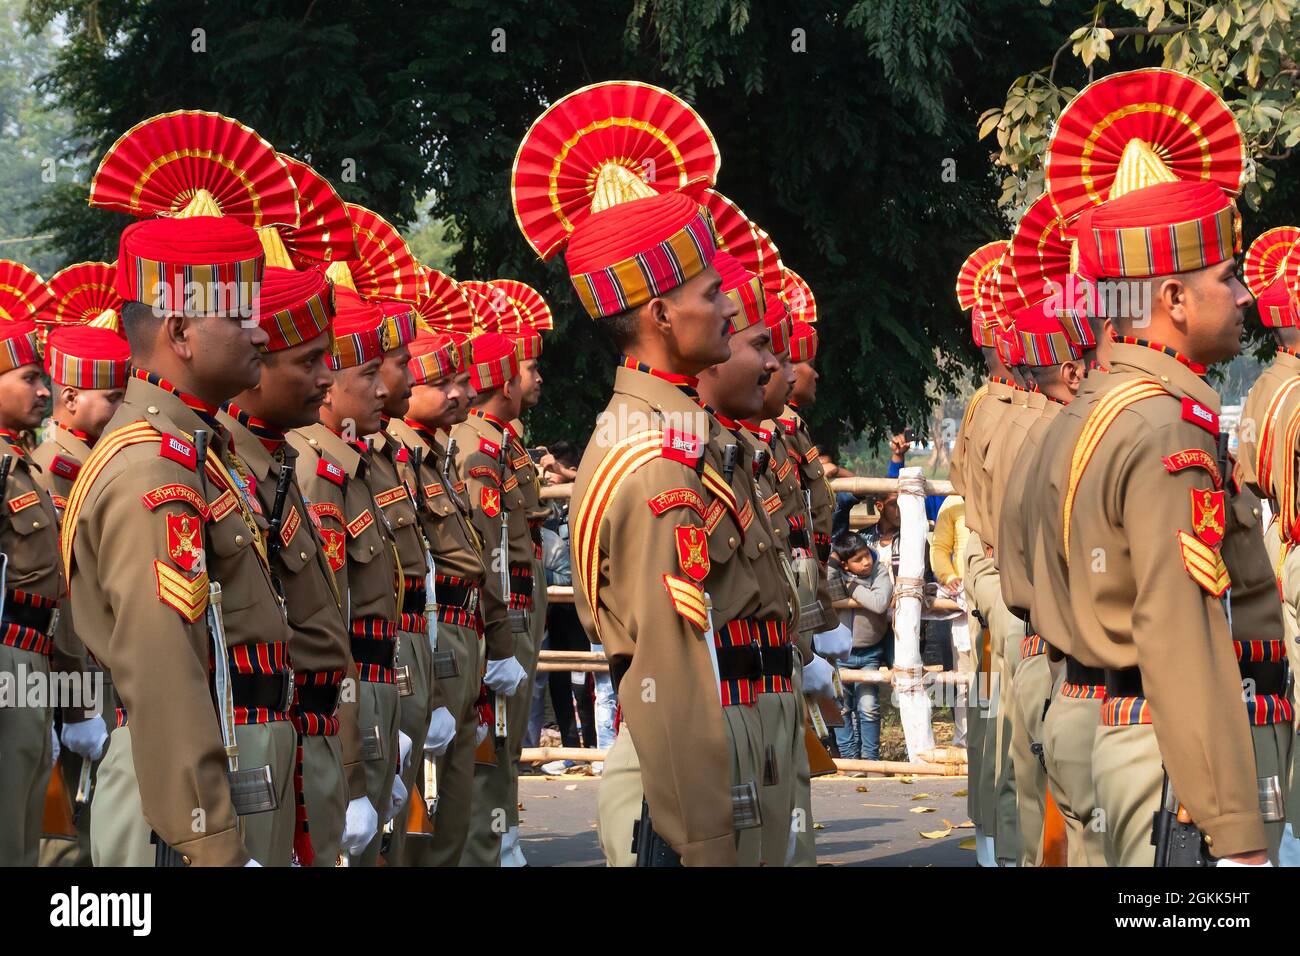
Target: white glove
251	863
442	730
817	678
87	739
54	750
360	824
834	645
481	733
504	676
403	751
397	800
1226	862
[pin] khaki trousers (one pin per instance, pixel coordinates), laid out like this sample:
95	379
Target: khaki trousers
1129	774
782	733
25	756
119	833
805	845
1031	688
1272	744
377	717
325	791
618	802
413	713
1068	733
456	765
1005	631
268	836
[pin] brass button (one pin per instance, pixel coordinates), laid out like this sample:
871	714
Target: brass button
762	546
185	859
239	539
312	442
36	524
372	549
1164	378
731	542
302	555
153	410
1209	840
1255	512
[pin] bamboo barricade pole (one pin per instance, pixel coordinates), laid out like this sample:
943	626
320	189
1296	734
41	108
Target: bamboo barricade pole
563	594
855	486
953	768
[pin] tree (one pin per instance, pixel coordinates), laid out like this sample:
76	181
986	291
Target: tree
32	137
849	134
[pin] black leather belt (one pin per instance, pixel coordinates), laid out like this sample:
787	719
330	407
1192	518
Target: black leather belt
617	668
1266	677
268	691
521	584
740	663
456	595
1124	683
778	661
319	698
1076	673
413	600
799	539
367	650
24	615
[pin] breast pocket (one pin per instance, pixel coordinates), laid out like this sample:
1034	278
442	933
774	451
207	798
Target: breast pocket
297	545
233	561
364	539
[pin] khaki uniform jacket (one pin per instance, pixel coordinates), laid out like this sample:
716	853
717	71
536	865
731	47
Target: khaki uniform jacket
489	495
1016	532
1131	590
812	479
979	428
139	595
318	632
58	459
1000	458
1264	420
444	518
777	485
362	552
957	466
393	496
639	570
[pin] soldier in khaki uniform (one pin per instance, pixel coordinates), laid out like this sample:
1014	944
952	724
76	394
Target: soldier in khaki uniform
735	391
88	366
440	400
487	458
333	466
334	814
1136	465
141	507
984	416
396	508
1056	363
33	583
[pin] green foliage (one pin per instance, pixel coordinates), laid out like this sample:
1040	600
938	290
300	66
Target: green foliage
848	133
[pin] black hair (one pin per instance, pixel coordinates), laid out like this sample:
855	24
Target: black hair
849	543
565	452
621	328
140	323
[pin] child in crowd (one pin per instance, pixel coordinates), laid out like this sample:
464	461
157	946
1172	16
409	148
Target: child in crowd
854	572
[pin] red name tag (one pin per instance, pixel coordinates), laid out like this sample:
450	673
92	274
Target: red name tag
179	450
65	467
330	471
360	523
489	447
1198	414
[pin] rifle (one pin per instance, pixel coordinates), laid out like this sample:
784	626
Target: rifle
518	621
1178	841
6	463
273	542
444	662
649	847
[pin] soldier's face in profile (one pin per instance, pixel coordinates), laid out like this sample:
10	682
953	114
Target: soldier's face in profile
358	395
440	404
23	397
468	394
699	313
779	386
804	390
91	409
1215	302
397	380
225	355
293	385
736	386
530	380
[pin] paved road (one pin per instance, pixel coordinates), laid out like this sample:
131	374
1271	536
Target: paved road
871	828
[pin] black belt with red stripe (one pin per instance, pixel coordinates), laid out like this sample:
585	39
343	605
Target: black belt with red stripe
521	580
1267	677
272	692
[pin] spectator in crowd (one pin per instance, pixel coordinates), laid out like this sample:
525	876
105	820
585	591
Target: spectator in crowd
947	560
898	446
855	569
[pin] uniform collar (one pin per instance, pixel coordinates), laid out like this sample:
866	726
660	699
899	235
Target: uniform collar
681	409
168	410
72	442
83	437
249	446
204	410
503	426
272	438
1171	372
346	453
1288	359
14	440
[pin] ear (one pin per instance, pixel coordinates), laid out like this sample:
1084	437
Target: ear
1072	373
69	396
657	309
177	331
1172	298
